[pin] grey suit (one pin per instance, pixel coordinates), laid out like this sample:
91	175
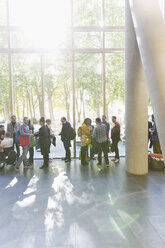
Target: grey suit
12	131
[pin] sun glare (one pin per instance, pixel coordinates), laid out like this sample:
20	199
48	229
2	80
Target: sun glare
44	22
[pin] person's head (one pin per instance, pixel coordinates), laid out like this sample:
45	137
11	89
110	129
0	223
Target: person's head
104	118
42	121
87	121
13	118
153	118
63	120
26	120
2	128
48	122
7	135
98	120
114	119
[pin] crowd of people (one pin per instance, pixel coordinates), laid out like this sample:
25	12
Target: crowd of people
94	138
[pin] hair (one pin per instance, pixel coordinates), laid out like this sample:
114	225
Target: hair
104	116
2	126
42	119
98	120
48	120
64	118
13	116
29	123
25	118
114	117
86	121
7	135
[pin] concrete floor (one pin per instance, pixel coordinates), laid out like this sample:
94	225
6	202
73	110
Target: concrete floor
70	206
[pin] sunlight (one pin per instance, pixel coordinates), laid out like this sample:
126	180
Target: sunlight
26	202
32	186
12	183
44	21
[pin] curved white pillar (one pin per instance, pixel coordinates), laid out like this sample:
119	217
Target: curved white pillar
136	104
150	32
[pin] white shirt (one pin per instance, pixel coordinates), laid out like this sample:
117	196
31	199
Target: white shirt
6	143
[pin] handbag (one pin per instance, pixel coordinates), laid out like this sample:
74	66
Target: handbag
87	140
32	142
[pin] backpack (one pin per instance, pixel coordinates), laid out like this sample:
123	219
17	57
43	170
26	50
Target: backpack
72	134
11	157
79	132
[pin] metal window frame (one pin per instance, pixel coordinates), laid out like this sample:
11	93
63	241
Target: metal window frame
72	50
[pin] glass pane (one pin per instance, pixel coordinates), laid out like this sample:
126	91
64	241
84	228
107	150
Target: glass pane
3	13
115	91
29	40
58	87
43	14
27	88
88	88
114	39
44	23
87	12
87	40
4	84
3	39
114	12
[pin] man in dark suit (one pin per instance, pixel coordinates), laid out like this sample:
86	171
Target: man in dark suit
65	137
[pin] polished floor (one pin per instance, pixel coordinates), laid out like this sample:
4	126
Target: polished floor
70	206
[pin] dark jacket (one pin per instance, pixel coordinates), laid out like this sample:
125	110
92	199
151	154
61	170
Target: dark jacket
44	139
115	135
65	132
155	133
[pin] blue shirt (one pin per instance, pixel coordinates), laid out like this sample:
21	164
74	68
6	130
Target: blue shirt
107	125
24	130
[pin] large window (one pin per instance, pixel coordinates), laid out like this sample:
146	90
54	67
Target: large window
62	58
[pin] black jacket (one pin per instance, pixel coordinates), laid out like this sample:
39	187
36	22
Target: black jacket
44	139
65	132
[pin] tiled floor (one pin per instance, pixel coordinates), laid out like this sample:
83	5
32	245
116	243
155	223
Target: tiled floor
70	206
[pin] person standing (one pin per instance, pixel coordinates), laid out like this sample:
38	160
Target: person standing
12	128
2	132
104	122
24	141
44	139
155	137
65	138
115	136
31	148
85	140
100	134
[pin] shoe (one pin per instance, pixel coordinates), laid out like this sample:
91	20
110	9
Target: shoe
17	168
98	164
117	161
68	160
86	163
113	159
28	166
92	158
63	159
43	167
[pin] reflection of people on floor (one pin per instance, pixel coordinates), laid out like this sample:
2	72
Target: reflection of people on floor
155	137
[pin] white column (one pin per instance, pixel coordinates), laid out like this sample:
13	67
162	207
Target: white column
136	104
150	32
